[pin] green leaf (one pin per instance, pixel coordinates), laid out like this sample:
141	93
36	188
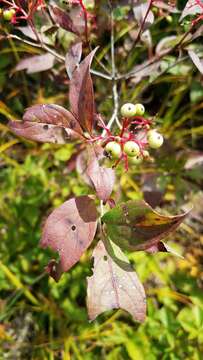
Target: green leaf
134	225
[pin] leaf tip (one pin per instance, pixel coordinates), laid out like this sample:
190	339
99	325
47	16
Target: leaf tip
54	269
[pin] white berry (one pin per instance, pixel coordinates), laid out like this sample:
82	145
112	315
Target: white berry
155	139
139	109
136	160
128	110
113	149
131	148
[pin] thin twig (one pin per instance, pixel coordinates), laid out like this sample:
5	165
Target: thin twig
98	73
59	57
143	23
114	116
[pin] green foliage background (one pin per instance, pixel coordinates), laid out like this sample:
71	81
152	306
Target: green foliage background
41	319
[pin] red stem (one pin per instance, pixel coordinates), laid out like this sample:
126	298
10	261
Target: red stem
85	18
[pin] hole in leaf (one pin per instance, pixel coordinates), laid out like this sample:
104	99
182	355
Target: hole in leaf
46	127
105	258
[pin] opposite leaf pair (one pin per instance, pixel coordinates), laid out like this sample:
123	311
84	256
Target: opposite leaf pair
71	228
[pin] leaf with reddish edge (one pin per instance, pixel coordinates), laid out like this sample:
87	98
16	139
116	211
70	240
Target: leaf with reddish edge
62	18
135	226
102	178
111	287
69	230
73	58
37	63
81	94
48	123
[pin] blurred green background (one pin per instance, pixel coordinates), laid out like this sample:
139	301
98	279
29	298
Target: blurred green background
41	319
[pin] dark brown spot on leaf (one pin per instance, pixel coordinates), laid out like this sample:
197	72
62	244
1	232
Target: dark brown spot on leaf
59	232
72	124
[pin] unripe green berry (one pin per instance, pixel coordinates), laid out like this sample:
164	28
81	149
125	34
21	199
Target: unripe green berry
155	139
128	110
139	109
131	148
136	160
113	149
8	14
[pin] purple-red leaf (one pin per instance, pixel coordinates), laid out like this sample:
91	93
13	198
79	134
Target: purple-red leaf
81	94
37	63
52	114
69	230
81	167
135	226
102	178
73	58
111	287
62	18
47	123
42	132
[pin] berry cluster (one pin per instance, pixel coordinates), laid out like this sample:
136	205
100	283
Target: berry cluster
134	138
14	12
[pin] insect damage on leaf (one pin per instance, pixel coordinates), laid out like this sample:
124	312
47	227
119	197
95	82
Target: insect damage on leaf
111	287
135	226
48	123
69	230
